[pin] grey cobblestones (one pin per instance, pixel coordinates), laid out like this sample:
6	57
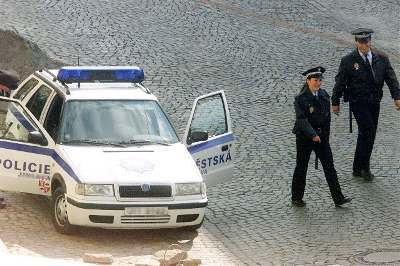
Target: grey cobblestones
255	51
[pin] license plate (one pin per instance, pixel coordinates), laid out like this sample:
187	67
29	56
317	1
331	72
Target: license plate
146	210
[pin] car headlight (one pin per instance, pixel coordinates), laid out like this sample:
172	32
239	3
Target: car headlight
94	190
183	189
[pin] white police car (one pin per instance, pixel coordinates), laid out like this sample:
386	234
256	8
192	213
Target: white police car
97	141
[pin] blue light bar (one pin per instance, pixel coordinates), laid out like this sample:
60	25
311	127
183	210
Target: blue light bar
102	74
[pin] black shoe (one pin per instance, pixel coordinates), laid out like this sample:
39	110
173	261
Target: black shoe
343	201
367	175
298	203
357	174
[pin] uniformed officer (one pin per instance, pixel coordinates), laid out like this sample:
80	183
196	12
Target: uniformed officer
8	81
360	80
312	128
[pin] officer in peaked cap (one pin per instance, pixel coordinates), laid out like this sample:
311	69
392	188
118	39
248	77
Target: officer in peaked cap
312	128
8	81
359	80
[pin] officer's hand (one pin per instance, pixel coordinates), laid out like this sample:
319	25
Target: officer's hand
316	139
336	109
397	104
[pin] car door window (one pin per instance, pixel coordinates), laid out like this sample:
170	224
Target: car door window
53	116
15	123
25	89
38	101
209	116
209	138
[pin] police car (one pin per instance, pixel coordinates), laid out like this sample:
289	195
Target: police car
97	142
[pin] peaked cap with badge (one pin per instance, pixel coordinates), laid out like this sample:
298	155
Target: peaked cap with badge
362	35
315	72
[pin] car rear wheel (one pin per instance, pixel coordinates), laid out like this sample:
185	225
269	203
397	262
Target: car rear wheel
59	212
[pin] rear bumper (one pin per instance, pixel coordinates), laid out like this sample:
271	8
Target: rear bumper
113	215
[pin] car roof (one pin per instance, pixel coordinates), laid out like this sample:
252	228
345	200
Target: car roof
96	90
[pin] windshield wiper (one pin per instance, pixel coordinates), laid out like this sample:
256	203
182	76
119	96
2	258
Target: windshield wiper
93	142
143	142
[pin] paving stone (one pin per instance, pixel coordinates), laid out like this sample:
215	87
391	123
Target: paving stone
98	258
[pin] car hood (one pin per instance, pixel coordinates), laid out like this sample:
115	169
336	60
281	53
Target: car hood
136	164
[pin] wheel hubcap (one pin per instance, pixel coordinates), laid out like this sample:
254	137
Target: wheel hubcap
61	210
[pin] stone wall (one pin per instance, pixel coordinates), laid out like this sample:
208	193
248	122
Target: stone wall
22	55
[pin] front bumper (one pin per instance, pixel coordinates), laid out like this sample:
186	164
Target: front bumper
113	215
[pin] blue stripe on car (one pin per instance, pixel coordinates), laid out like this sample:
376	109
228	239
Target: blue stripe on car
211	143
43	151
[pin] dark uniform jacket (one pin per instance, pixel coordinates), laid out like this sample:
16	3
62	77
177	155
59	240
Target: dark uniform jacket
357	83
313	116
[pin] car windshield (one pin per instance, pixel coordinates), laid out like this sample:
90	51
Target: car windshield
115	122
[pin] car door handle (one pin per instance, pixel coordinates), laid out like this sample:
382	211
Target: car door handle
225	148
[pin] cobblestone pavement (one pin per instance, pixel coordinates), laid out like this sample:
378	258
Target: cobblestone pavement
26	229
254	50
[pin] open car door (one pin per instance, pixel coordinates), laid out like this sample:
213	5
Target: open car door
25	164
209	139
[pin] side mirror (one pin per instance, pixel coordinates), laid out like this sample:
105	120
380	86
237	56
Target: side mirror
198	136
37	138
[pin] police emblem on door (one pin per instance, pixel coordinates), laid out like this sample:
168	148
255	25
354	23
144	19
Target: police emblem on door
145	187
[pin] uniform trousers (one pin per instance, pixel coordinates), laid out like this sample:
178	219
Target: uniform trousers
324	153
367	116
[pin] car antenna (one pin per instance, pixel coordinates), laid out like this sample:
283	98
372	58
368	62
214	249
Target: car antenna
79	82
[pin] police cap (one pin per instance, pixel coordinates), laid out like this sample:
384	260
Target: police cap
315	72
362	34
9	78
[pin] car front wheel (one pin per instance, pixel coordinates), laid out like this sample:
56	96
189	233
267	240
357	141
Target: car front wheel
59	212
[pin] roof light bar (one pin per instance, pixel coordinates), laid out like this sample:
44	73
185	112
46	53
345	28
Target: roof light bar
82	74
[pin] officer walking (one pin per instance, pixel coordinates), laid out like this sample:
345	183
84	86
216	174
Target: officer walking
360	80
312	128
